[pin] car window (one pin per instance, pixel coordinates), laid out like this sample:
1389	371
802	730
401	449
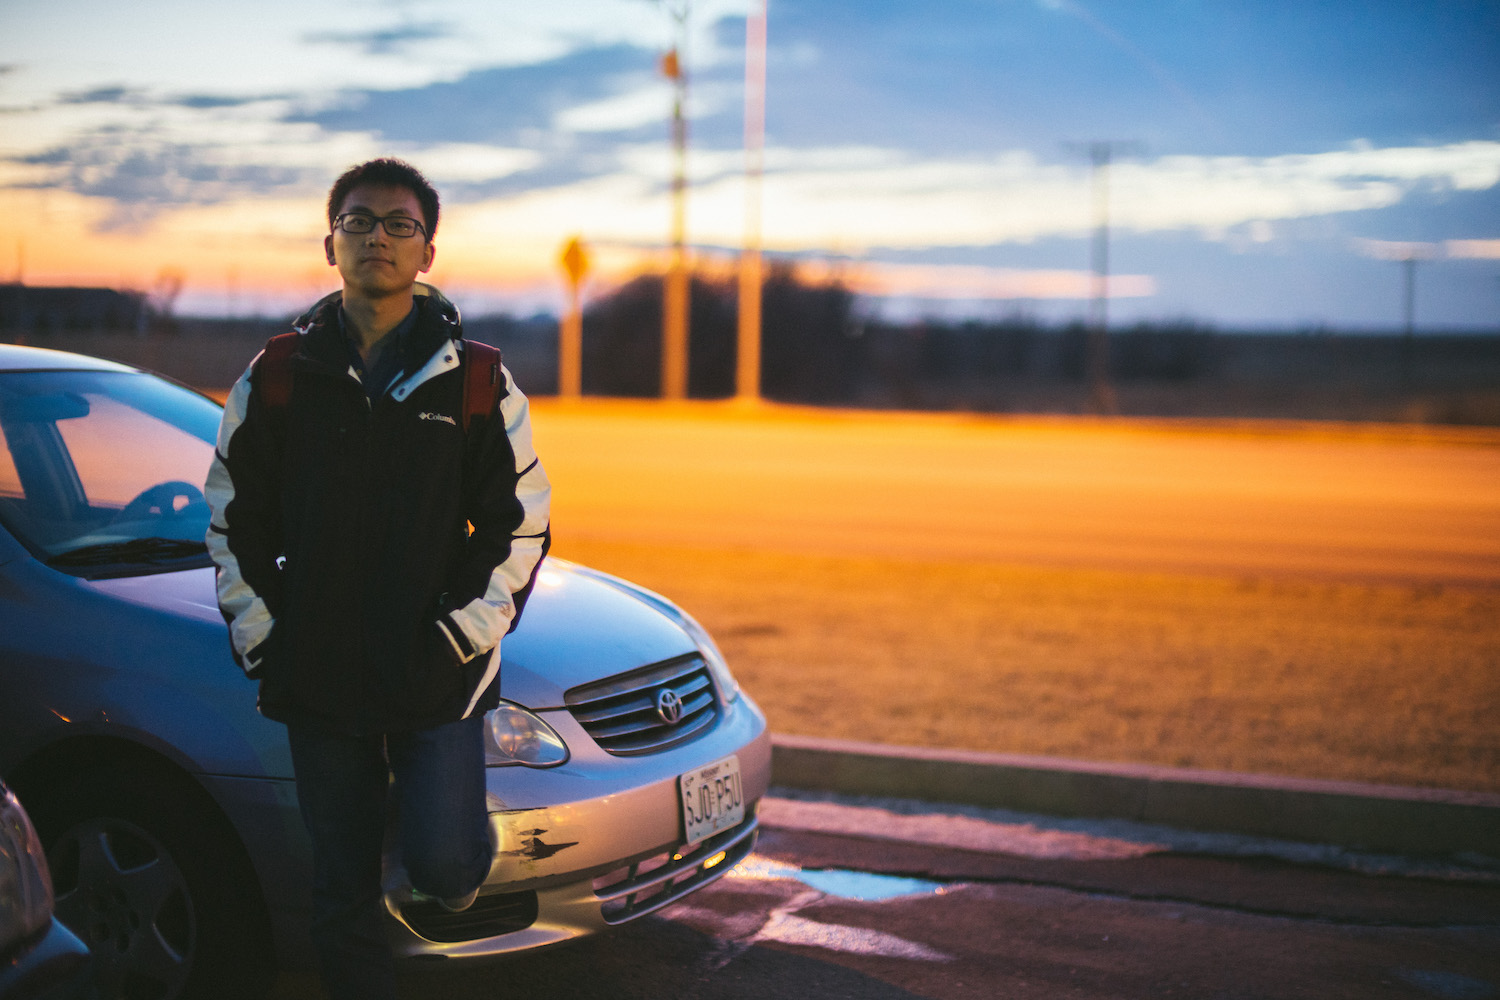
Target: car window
114	468
102	472
10	481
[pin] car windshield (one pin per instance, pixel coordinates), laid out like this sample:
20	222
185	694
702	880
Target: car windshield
101	473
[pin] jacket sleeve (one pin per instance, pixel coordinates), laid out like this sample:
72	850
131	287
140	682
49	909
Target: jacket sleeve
508	500
244	534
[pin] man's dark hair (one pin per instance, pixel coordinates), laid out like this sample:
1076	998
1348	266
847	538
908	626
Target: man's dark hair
392	173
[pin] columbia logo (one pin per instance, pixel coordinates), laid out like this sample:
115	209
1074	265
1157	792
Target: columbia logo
437	416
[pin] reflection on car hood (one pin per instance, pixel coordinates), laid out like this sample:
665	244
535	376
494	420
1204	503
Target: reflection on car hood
188	593
577	627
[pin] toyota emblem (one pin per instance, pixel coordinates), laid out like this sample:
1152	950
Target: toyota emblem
669	706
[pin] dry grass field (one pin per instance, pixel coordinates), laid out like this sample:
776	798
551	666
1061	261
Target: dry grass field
1315	602
1370	682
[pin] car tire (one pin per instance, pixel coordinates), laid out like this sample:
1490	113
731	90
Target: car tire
151	880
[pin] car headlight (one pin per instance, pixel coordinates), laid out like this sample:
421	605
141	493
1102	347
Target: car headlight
516	736
729	688
25	885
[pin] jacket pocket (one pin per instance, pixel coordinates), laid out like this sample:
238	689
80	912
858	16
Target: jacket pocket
274	674
433	676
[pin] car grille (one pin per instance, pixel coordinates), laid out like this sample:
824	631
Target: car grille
648	885
490	916
622	716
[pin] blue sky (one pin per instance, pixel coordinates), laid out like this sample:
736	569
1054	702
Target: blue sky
1278	157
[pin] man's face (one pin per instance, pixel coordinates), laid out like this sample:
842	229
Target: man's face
377	263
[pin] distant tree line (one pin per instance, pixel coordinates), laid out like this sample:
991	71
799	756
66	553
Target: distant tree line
810	351
819	348
815	348
49	309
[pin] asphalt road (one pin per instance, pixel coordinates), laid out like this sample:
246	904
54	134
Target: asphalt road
1327	500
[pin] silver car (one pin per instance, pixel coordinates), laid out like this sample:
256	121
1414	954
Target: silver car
625	764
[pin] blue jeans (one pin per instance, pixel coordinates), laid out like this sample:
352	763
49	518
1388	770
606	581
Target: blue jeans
342	783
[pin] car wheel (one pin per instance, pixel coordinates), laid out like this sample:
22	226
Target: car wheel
154	889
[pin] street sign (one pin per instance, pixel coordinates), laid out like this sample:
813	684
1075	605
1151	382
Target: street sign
575	261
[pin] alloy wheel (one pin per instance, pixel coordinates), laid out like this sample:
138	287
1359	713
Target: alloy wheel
119	889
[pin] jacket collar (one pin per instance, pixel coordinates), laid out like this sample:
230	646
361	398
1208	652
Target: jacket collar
437	326
421	290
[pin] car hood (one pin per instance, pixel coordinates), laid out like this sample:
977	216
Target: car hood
580	626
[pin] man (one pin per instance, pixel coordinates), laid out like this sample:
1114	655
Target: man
347	477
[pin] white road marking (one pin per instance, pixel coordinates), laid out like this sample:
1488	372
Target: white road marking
942	830
737	932
791	929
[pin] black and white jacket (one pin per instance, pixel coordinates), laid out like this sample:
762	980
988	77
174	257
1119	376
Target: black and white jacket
354	589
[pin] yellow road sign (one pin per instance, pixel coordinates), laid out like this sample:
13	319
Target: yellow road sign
574	260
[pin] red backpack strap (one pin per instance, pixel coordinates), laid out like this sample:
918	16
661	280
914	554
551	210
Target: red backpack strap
273	373
482	382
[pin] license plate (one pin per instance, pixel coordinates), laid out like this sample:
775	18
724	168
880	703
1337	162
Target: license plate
713	799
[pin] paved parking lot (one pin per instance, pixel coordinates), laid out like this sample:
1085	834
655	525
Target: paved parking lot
1068	908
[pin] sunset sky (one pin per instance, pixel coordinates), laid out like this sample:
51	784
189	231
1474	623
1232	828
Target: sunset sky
1278	158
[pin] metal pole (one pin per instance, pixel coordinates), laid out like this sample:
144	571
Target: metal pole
570	348
675	291
1409	266
1101	392
1409	312
747	373
575	264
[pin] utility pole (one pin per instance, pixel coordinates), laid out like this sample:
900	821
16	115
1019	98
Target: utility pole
1408	255
1101	392
675	290
1409	299
575	264
747	368
1414	252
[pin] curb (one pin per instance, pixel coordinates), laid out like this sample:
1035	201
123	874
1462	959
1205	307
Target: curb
1349	814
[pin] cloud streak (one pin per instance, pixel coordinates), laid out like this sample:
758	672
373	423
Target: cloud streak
1418	250
971	282
104	95
139	179
384	41
1016	198
504	105
1472	249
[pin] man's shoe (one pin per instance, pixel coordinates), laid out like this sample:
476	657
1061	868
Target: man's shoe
455	904
459	904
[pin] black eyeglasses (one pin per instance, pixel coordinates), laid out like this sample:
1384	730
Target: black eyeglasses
359	223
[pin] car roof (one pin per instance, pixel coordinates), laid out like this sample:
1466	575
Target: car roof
15	358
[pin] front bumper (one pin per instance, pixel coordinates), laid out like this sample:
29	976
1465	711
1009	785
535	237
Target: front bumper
594	842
